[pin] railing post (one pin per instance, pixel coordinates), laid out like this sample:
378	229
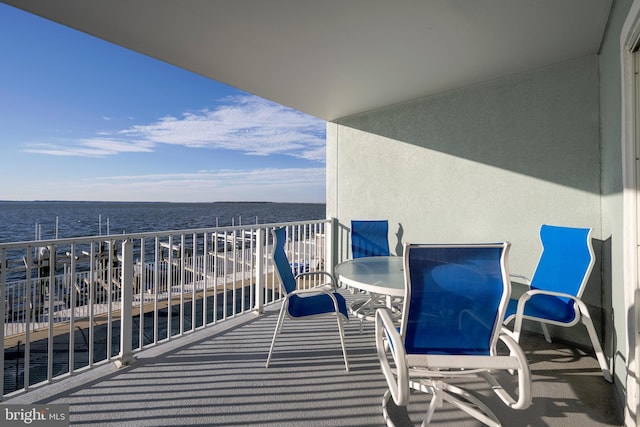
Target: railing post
331	245
126	319
260	270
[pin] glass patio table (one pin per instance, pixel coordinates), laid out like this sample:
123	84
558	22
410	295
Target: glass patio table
381	276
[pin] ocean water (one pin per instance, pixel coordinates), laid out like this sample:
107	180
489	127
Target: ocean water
23	221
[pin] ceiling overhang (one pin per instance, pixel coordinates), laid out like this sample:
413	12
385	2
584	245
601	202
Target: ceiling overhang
336	58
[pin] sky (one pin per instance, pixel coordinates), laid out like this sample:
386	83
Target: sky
83	119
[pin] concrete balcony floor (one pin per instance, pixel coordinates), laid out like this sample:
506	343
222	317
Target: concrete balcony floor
217	377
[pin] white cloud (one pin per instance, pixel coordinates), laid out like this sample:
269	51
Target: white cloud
247	123
244	123
111	146
97	147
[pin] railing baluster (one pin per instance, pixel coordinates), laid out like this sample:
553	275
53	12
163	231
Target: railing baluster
51	292
28	309
141	284
243	267
92	299
234	281
182	283
253	295
194	279
156	288
109	286
215	277
260	293
224	281
169	286
72	309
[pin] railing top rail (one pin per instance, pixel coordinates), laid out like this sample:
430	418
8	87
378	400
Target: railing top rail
150	234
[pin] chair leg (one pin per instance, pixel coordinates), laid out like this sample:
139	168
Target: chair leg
344	349
470	404
283	309
517	329
361	306
461	399
436	402
545	331
364	309
597	348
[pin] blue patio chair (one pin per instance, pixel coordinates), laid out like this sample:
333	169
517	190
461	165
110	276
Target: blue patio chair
555	289
369	238
455	300
304	303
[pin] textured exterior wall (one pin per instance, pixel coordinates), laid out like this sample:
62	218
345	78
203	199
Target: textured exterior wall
489	162
612	202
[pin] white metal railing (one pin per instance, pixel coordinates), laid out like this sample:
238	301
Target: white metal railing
70	304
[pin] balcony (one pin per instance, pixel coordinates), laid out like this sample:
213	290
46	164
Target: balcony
191	336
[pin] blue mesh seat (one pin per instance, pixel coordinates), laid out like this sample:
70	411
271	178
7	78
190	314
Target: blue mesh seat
455	300
555	289
369	238
304	303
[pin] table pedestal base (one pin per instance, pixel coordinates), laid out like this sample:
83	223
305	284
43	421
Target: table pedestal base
365	309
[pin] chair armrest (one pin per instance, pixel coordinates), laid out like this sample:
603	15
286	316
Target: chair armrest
522	301
388	339
318	290
524	376
445	365
525	297
318	273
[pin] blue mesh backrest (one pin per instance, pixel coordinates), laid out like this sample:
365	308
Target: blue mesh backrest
369	238
281	261
457	298
566	259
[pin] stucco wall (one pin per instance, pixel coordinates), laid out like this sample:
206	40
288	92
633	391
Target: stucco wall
483	163
612	202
